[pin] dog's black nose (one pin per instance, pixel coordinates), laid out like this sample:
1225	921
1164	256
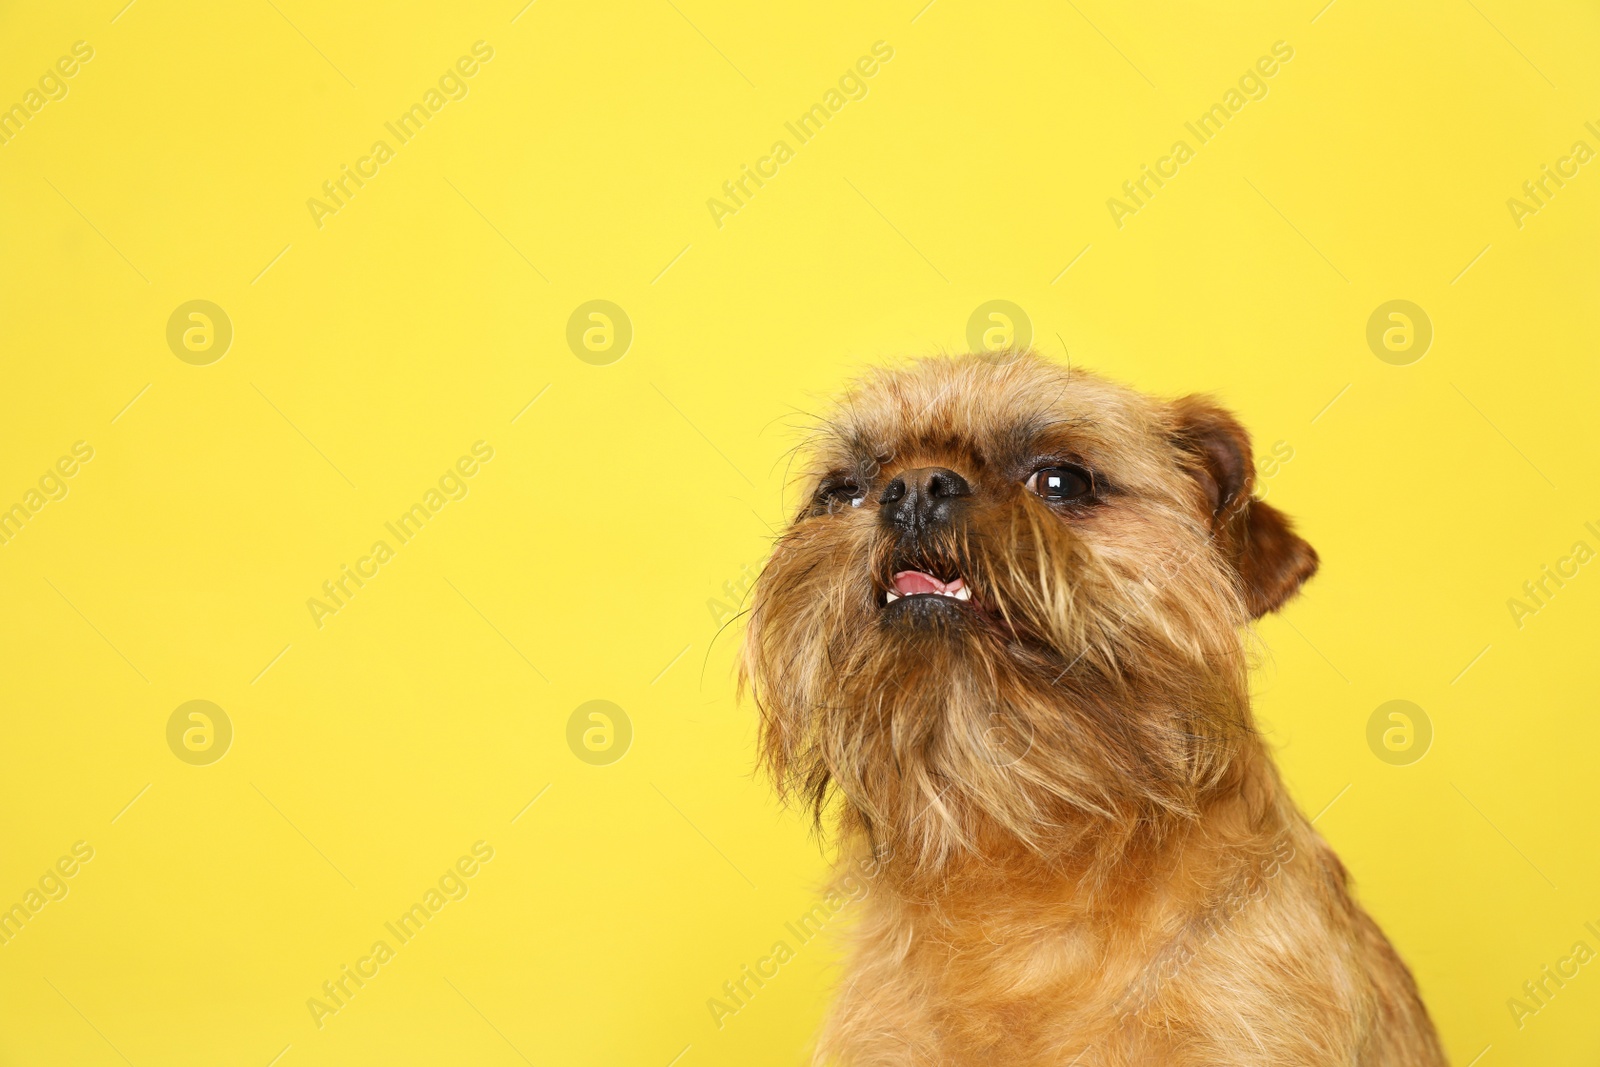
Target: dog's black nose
922	497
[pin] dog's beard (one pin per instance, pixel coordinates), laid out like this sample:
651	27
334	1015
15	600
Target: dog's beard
1075	696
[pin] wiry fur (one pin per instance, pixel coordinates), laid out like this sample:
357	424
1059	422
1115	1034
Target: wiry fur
1089	857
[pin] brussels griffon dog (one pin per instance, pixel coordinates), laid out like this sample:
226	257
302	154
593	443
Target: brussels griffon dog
1003	641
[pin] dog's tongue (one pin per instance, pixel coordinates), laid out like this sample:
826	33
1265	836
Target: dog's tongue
908	583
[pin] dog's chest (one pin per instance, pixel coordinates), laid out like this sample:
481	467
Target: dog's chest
1008	981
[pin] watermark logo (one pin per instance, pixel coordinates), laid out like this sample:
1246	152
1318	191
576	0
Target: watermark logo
1539	991
52	886
52	486
1399	332
199	733
452	485
599	332
1169	963
340	190
1270	465
451	886
999	326
1538	191
847	889
599	733
734	591
1552	578
52	87
1005	739
737	192
1399	733
1252	85
199	332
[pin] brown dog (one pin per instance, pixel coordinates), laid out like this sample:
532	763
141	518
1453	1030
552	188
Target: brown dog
1004	633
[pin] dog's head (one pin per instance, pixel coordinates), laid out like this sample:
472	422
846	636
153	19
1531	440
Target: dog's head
1010	606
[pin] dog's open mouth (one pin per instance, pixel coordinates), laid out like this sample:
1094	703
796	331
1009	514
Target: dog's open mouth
910	584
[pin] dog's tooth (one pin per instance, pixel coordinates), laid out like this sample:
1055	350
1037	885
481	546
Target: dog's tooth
963	593
890	598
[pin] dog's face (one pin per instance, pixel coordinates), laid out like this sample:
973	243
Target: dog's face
1010	605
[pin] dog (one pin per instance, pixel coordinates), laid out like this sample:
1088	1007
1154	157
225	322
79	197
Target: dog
1003	642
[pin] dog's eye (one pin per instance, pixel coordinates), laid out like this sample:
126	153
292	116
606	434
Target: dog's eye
834	495
1062	483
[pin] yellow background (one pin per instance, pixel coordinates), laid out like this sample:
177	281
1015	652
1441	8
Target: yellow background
370	753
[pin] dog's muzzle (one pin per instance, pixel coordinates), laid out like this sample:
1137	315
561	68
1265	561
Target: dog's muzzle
922	500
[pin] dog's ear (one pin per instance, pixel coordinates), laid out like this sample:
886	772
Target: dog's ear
1272	560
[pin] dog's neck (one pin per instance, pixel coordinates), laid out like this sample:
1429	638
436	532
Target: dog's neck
1099	869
